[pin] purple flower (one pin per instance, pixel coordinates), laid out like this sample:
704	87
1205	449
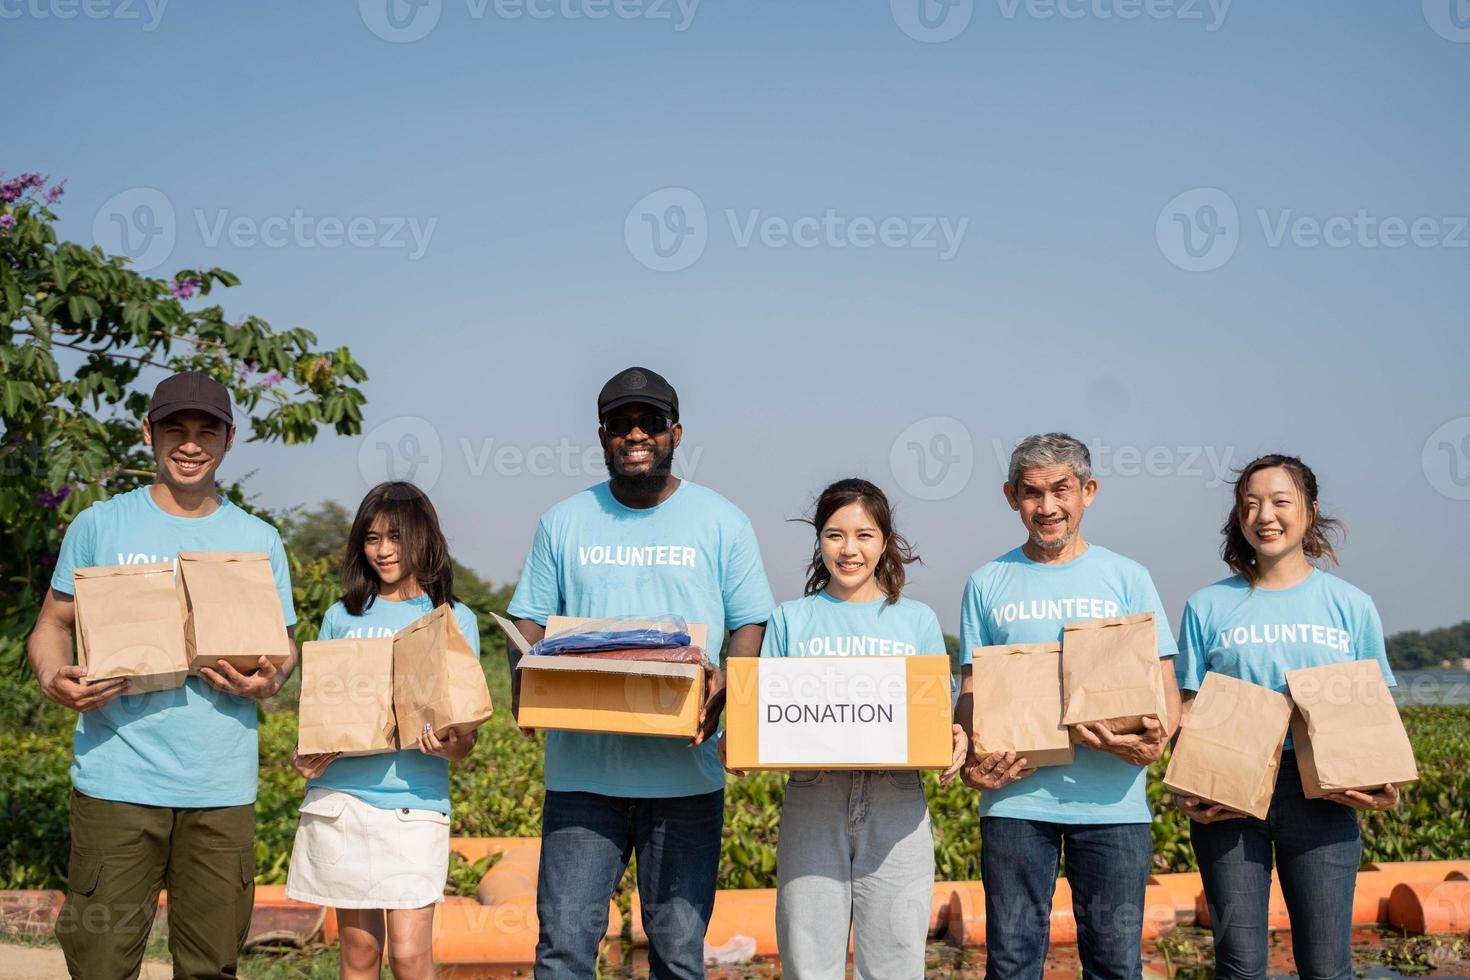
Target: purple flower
10	191
54	194
7	221
185	289
271	380
52	499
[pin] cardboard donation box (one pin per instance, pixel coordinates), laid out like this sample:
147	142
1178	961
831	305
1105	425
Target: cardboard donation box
1111	673
594	694
129	624
437	679
1229	747
838	713
1346	729
1018	703
233	611
347	697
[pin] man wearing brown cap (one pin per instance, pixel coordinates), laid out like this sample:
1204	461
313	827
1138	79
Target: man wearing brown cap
163	782
644	543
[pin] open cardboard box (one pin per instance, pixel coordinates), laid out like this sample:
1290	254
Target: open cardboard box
838	713
620	697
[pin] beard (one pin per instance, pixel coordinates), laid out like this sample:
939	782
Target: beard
1053	546
646	484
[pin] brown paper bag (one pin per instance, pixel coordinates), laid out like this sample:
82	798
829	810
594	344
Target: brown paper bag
233	609
437	679
1229	747
129	624
347	697
1346	729
1111	673
1018	703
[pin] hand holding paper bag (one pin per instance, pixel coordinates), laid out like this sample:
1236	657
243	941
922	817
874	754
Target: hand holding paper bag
1111	673
1229	747
437	680
1347	733
130	625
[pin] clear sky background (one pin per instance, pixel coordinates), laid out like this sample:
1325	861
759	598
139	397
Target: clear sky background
1067	148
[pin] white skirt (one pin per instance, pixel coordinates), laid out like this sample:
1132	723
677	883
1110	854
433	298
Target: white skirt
351	855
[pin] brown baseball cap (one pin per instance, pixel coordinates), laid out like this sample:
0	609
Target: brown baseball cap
190	391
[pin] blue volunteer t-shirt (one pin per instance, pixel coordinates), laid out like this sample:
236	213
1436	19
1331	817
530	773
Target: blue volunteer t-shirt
194	746
821	625
1016	600
1257	635
695	556
407	778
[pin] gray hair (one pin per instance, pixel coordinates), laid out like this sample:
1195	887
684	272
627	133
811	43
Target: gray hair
1052	449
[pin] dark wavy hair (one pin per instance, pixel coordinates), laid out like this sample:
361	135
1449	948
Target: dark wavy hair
897	552
1317	544
421	546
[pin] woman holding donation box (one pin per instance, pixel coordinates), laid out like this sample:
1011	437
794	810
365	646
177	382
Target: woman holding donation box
1276	614
374	836
856	849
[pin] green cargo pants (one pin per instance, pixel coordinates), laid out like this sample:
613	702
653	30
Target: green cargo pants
123	853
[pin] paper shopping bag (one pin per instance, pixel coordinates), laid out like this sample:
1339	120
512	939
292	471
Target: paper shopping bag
233	610
1111	673
1018	703
1346	729
437	679
129	624
347	697
1229	747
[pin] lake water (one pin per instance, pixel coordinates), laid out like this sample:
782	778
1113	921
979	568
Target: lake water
1432	687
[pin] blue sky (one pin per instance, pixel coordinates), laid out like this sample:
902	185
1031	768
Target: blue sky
472	213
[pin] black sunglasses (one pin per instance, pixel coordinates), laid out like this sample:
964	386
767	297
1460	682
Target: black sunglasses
649	425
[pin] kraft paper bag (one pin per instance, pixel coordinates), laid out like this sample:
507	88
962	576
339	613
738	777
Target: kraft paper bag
1229	747
129	624
437	679
1018	703
347	697
1111	673
233	610
1346	729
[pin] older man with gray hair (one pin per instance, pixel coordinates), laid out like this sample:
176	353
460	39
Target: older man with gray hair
1092	814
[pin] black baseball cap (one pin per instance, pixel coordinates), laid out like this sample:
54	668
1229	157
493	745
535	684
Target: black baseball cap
190	391
637	384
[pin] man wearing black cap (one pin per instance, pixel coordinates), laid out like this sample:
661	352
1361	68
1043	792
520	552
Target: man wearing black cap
163	782
643	543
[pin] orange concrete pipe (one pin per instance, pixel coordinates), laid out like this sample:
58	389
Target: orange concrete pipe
743	911
965	923
474	848
1184	890
1413	871
512	876
1370	898
1430	907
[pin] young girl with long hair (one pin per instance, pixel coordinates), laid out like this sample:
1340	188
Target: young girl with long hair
373	842
1279	612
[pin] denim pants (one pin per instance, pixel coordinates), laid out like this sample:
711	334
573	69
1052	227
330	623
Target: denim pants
586	840
1316	848
1107	868
856	853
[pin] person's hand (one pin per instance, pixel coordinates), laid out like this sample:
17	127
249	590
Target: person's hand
453	746
1380	799
262	682
733	772
312	766
68	688
961	753
714	703
995	770
1136	750
1203	811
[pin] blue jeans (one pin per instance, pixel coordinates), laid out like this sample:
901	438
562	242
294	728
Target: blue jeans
1317	848
1107	866
586	840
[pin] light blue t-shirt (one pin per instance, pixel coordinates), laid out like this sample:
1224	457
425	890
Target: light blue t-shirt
694	555
1016	600
1257	635
194	746
820	625
407	778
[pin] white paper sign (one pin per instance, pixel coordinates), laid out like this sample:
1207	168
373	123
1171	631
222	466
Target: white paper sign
833	711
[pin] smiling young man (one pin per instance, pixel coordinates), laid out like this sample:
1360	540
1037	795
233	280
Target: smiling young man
644	543
163	782
1093	811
